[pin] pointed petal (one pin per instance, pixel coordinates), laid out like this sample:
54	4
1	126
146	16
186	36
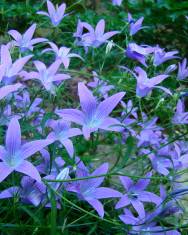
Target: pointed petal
143	183
4	171
71	115
32	147
104	192
29	169
107	106
164	89
101	170
111	124
156	80
97	205
15	34
38	40
52	69
5	56
13	137
6	90
149	197
66	62
124	201
61	10
27	36
9	192
18	64
74	132
43	13
51	8
99	31
138	206
126	181
69	146
87	100
61	77
39	65
108	35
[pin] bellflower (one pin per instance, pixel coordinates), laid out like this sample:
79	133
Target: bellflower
55	13
152	229
13	156
47	76
160	56
25	41
117	2
46	168
136	195
146	85
9	70
150	133
89	190
180	116
138	53
94	37
102	86
182	70
62	54
28	107
135	26
93	116
62	132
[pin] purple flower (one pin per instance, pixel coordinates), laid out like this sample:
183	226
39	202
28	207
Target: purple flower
47	76
145	85
129	218
117	2
93	116
6	90
180	116
55	13
13	156
28	108
102	86
152	229
25	41
62	132
150	133
138	53
94	37
46	168
160	56
182	70
136	195
89	190
62	54
31	192
8	70
135	26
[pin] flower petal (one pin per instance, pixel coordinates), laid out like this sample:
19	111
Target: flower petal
104	192
13	137
32	147
97	205
29	169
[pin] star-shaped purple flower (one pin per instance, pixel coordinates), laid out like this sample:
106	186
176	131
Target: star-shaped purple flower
89	190
25	41
93	116
13	156
136	194
55	13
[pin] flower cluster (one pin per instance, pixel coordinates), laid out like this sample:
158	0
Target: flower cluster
42	137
